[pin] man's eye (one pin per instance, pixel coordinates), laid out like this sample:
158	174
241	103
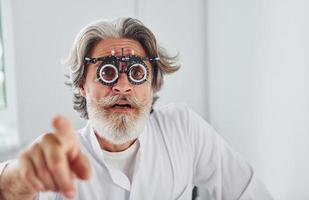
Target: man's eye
108	73
137	72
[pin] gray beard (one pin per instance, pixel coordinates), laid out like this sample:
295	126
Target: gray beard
117	128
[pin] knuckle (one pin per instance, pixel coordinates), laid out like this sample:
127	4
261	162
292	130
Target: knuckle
23	155
50	140
35	146
29	152
47	137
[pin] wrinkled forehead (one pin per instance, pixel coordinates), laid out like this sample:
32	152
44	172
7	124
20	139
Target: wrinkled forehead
116	46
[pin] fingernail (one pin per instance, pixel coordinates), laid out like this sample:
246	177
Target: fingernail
40	187
69	194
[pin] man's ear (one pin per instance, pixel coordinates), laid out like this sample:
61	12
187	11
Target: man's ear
82	91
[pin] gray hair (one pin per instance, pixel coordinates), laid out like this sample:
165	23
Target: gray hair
128	28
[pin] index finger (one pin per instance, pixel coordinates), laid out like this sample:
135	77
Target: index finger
65	133
62	126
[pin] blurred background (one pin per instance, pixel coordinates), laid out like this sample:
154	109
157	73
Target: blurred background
245	69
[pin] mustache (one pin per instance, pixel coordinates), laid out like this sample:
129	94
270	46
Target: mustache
109	101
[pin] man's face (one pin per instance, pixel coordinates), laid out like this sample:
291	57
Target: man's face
118	112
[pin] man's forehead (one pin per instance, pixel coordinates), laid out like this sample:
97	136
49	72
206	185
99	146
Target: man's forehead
116	46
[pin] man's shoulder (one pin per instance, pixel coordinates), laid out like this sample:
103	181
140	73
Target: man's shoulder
173	114
179	108
178	114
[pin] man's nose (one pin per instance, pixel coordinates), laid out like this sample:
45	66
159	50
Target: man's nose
123	86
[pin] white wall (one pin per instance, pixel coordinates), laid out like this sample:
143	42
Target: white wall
259	89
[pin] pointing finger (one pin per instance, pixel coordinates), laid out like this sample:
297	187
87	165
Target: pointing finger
63	126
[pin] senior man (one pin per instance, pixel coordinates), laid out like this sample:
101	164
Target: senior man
128	149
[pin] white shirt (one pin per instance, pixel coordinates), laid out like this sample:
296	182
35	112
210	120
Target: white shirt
124	161
177	151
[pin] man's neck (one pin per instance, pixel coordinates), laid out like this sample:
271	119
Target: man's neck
106	145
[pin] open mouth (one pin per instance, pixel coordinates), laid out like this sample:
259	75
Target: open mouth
121	106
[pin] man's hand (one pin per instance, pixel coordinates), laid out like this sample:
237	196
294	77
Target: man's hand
52	163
